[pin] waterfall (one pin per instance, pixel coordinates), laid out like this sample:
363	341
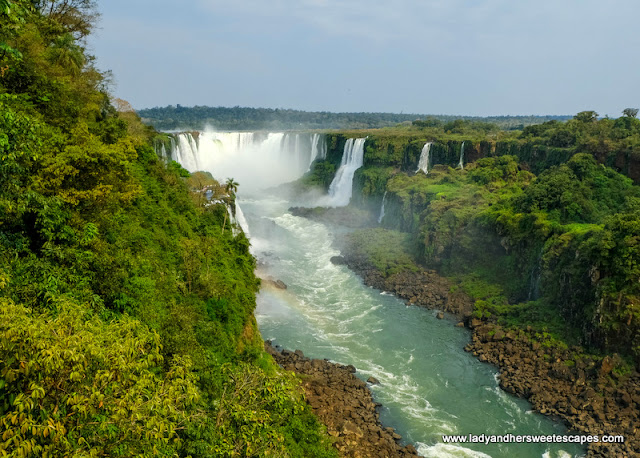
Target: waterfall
322	146
423	163
160	149
186	152
341	187
318	148
384	197
255	160
242	221
461	163
232	221
534	280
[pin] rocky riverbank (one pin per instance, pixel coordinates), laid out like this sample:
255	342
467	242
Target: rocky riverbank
586	392
344	404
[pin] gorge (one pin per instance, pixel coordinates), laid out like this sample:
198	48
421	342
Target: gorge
428	385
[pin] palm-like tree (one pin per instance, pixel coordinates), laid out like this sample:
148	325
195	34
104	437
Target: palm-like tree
231	186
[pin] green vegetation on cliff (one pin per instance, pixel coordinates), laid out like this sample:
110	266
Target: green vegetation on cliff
127	300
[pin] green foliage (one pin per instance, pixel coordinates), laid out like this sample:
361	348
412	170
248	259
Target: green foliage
386	250
75	384
321	174
260	415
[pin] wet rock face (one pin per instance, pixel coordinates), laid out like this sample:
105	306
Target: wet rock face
344	404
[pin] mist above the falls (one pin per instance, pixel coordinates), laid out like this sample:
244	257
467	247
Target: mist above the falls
255	160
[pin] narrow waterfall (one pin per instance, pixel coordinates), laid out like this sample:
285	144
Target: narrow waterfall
341	187
534	280
322	146
160	149
255	160
232	221
318	148
461	163
384	197
423	163
241	220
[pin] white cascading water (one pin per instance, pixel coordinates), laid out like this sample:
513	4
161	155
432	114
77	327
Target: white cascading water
423	163
186	152
318	148
161	151
232	221
461	163
255	160
384	197
341	187
241	220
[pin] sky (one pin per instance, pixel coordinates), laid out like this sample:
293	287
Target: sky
456	57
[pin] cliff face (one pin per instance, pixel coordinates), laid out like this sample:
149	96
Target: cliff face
543	249
401	152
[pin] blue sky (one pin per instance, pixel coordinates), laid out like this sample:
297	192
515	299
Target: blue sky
460	57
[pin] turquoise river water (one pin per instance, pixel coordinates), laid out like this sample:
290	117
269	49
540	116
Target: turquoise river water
429	386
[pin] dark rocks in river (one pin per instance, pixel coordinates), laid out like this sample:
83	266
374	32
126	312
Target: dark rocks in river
338	260
279	284
344	404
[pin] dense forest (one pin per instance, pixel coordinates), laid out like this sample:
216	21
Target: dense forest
126	296
240	118
540	226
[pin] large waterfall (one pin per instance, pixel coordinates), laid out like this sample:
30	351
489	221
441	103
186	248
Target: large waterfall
461	162
423	163
342	185
256	160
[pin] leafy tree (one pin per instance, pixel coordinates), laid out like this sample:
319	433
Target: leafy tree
72	383
586	116
77	17
66	53
630	112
